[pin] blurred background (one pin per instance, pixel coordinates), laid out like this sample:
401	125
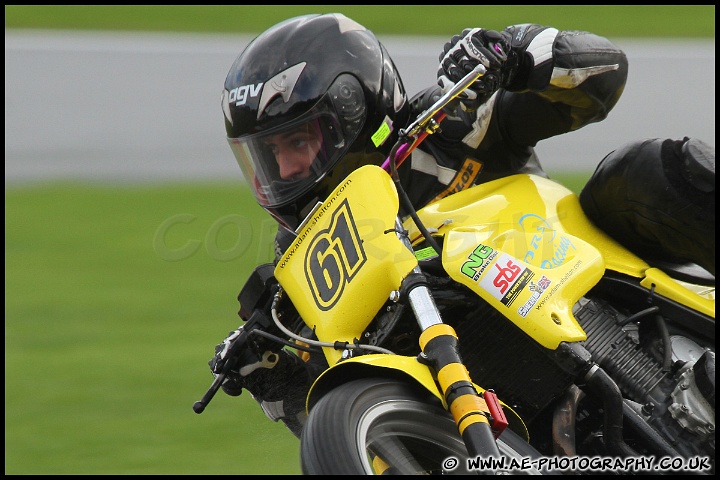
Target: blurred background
144	106
129	230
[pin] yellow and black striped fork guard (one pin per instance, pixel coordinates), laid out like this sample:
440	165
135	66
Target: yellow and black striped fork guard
468	408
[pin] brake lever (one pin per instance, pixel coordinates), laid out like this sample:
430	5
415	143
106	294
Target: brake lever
232	357
199	406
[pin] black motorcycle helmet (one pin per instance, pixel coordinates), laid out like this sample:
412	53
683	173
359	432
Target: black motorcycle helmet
326	74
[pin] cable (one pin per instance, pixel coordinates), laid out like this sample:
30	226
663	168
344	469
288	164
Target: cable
273	311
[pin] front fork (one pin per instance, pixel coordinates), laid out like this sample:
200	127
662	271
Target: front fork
479	417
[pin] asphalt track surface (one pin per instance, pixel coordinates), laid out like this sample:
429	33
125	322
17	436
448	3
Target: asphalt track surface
125	107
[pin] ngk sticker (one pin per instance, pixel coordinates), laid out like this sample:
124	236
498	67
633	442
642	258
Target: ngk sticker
506	278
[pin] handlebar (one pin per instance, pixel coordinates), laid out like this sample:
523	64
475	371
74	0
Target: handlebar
424	120
428	121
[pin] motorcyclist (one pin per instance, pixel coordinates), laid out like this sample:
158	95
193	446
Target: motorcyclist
317	96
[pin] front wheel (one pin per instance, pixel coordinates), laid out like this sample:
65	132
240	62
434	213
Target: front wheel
378	425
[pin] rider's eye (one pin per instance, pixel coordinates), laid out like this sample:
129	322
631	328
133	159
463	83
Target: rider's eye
299	142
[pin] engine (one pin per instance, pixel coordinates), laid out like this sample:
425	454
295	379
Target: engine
666	377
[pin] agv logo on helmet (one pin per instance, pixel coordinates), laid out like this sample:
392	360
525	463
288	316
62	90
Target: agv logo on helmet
281	84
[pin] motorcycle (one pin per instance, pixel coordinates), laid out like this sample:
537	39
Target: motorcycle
496	330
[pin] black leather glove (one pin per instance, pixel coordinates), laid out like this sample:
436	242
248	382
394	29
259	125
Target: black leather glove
278	381
464	52
241	363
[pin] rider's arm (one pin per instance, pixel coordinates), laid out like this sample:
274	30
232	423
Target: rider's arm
577	83
564	80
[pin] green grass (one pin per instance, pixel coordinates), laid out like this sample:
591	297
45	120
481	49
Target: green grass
608	20
110	319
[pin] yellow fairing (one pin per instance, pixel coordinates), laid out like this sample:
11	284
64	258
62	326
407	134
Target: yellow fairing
699	298
336	281
507	241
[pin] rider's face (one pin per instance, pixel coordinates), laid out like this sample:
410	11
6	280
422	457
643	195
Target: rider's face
295	150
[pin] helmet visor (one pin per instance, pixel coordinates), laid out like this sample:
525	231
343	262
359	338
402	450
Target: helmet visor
286	161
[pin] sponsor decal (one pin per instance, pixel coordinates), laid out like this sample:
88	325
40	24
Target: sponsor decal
478	261
463	179
506	278
500	274
537	290
543	237
383	132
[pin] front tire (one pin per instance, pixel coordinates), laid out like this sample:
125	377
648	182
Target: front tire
378	425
